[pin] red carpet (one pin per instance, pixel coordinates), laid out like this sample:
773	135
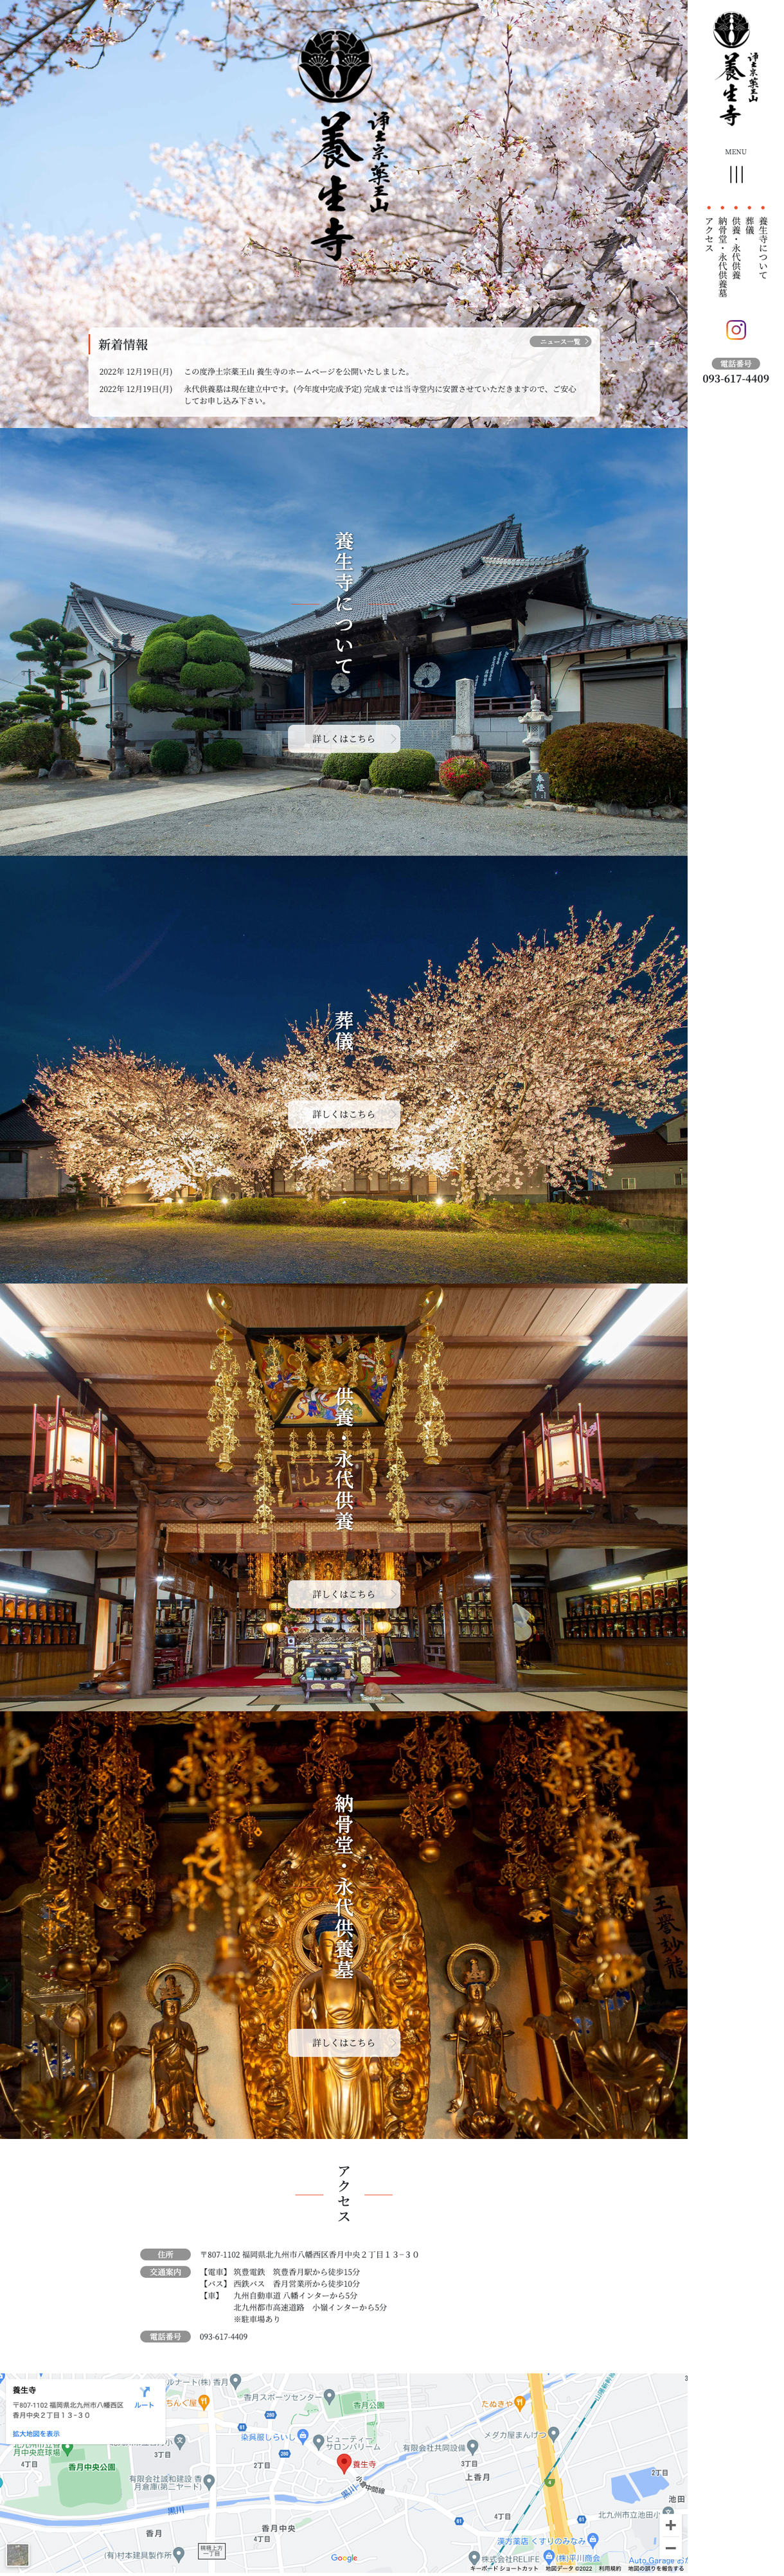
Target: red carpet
244	1677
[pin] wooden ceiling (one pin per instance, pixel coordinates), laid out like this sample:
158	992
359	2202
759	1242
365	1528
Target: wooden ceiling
146	1350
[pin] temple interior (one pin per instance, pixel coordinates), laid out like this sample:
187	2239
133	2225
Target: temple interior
281	1494
493	1907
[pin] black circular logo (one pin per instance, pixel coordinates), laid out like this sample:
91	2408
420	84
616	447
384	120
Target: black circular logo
335	66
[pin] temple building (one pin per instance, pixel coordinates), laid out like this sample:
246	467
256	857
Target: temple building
472	607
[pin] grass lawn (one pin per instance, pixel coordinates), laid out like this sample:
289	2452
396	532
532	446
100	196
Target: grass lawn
125	1246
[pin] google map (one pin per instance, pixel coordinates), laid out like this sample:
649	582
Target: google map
380	2472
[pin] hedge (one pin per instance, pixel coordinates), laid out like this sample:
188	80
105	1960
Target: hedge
402	769
462	772
224	753
169	758
623	764
347	764
31	745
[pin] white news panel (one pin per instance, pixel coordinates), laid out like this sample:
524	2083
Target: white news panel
344	1113
492	369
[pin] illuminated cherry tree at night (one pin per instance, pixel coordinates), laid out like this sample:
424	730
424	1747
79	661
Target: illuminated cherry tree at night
503	1072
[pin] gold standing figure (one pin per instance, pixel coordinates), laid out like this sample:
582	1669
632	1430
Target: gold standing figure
175	2091
337	2097
483	2106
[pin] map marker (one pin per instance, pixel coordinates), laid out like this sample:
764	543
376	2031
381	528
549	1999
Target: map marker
178	2554
593	2540
318	2441
302	2437
552	2431
179	2440
204	2401
472	2446
328	2396
234	2381
209	2481
519	2402
473	2557
344	2461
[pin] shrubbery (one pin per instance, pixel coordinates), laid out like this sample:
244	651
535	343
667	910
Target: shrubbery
347	764
31	745
615	764
463	772
169	758
402	769
224	753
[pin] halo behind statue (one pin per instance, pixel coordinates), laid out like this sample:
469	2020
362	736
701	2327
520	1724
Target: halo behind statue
177	1968
304	1935
472	1951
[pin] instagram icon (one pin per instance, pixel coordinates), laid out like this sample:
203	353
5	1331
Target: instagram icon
736	330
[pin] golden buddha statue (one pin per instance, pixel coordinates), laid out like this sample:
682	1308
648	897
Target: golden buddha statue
483	2106
174	2060
335	2097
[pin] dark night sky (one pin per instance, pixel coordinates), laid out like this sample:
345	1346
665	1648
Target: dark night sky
180	958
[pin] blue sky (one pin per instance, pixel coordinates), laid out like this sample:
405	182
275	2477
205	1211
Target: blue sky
242	522
72	146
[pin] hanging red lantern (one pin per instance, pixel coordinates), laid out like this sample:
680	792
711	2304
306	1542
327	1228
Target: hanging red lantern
561	1462
80	1457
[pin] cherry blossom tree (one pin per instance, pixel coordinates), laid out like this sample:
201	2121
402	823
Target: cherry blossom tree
513	1071
119	1119
537	176
504	1073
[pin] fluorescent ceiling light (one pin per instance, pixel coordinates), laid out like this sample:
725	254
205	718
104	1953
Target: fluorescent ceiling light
20	1337
650	1303
626	1582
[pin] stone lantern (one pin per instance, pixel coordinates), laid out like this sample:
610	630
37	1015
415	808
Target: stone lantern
119	731
537	726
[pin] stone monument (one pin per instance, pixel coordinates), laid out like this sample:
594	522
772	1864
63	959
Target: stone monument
463	737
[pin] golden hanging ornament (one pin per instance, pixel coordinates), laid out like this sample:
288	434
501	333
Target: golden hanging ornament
526	1825
67	1801
453	1752
264	1469
395	1455
326	1765
604	1878
123	1841
427	1814
428	1362
224	1367
223	1768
